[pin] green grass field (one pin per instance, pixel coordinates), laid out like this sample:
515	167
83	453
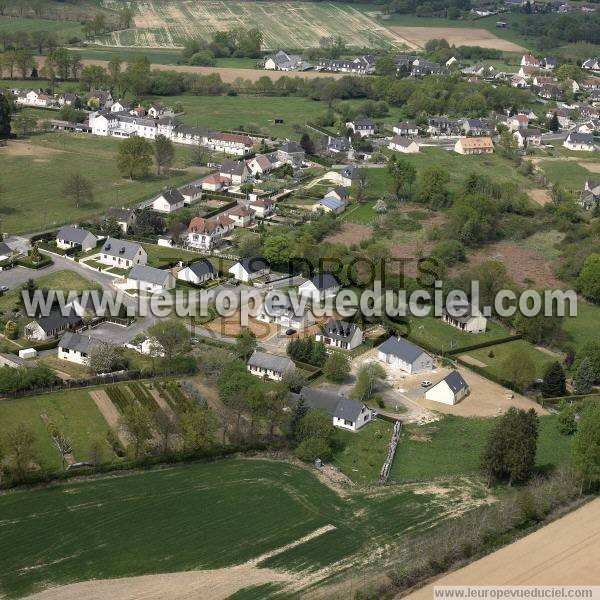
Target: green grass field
497	365
64	29
75	415
568	174
36	201
453	447
191	517
585	326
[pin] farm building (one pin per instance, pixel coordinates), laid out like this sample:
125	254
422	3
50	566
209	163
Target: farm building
474	145
450	390
269	366
402	354
345	413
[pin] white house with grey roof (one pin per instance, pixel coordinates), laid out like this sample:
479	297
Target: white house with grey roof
466	317
282	61
401	354
169	201
345	413
269	366
198	272
580	142
122	254
320	286
362	127
76	348
75	237
341	335
450	390
278	308
149	279
249	268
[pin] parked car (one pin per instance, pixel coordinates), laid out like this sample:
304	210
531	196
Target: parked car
4	288
290	331
426	383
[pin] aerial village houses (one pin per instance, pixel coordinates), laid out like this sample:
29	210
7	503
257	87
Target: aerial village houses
205	234
528	137
75	237
291	153
474	145
581	142
234	170
45	328
401	354
229	143
282	312
76	348
261	164
125	217
362	65
320	286
466	317
149	279
345	413
362	127
450	390
252	267
269	366
169	201
282	61
406	128
340	334
330	204
403	144
198	272
122	254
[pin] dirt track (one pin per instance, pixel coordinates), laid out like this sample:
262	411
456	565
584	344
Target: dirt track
564	552
228	74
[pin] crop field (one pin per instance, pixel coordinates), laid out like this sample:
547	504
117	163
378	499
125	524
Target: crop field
167	24
64	29
36	201
201	516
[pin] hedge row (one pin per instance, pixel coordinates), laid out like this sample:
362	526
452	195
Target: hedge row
496	342
488	375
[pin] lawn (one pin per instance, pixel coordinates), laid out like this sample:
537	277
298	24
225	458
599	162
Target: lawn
360	455
36	202
436	334
63	28
585	326
496	365
73	412
161	256
569	174
453	446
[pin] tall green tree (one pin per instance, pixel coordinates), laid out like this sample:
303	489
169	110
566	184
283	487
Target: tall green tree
134	157
586	446
5	112
509	454
588	282
164	154
78	189
554	381
584	378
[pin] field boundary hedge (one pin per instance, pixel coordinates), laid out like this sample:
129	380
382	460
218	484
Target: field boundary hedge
489	343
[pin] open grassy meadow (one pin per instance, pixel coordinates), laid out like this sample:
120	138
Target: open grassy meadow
35	171
192	517
453	447
62	28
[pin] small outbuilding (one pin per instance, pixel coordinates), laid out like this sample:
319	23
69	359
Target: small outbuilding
450	390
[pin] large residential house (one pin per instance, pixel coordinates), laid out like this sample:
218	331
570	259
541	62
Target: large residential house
242	216
349	175
150	279
229	143
406	128
528	60
261	164
345	413
362	65
282	312
291	153
52	325
205	234
528	137
475	127
34	98
450	390
198	272
262	207
282	61
474	145
320	286
76	348
341	335
169	201
122	254
338	144
252	267
467	318
441	126
362	127
581	142
269	366
401	354
125	217
75	237
235	170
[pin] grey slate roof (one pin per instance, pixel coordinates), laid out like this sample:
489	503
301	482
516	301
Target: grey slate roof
202	267
272	362
172	196
340	330
401	348
464	312
233	167
76	235
120	214
56	321
292	148
120	248
332	403
254	264
5	249
148	274
580	138
455	381
324	281
77	342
